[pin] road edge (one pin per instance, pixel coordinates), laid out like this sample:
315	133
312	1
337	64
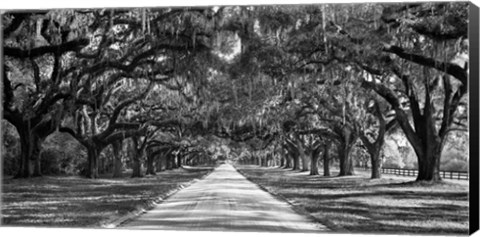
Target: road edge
295	207
140	209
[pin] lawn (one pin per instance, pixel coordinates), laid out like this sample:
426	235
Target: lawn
78	202
358	204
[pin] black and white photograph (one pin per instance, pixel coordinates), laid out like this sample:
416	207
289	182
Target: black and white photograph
301	118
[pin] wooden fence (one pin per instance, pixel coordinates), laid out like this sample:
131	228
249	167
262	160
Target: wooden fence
413	172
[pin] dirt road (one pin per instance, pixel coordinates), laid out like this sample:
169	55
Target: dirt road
224	201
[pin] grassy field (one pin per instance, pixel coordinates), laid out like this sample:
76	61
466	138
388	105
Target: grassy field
357	204
79	202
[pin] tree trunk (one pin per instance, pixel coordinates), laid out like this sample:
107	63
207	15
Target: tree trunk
275	159
168	162
91	171
137	160
117	159
136	165
30	153
423	136
326	160
174	161
25	167
376	164
346	162
179	160
373	150
427	146
314	166
296	161
101	165
150	164
428	170
314	162
293	154
428	160
139	151
305	163
288	160
264	161
302	155
32	135
282	157
160	162
36	155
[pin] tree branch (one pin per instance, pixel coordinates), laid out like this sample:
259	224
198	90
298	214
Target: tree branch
72	133
127	102
126	126
116	112
45	105
122	135
56	69
18	19
414	105
400	114
74	45
450	68
7	89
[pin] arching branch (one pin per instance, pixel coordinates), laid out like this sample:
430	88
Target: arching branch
74	45
450	68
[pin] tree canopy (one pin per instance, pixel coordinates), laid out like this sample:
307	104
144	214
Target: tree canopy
274	82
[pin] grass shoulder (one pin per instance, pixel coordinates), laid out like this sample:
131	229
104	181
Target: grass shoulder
359	204
73	201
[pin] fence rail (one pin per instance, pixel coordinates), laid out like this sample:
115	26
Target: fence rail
461	175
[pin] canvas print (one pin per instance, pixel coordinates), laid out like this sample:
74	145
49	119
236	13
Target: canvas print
303	118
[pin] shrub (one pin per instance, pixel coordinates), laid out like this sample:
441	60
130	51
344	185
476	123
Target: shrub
10	149
50	161
9	162
454	165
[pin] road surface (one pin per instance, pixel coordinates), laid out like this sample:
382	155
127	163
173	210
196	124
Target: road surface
224	201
